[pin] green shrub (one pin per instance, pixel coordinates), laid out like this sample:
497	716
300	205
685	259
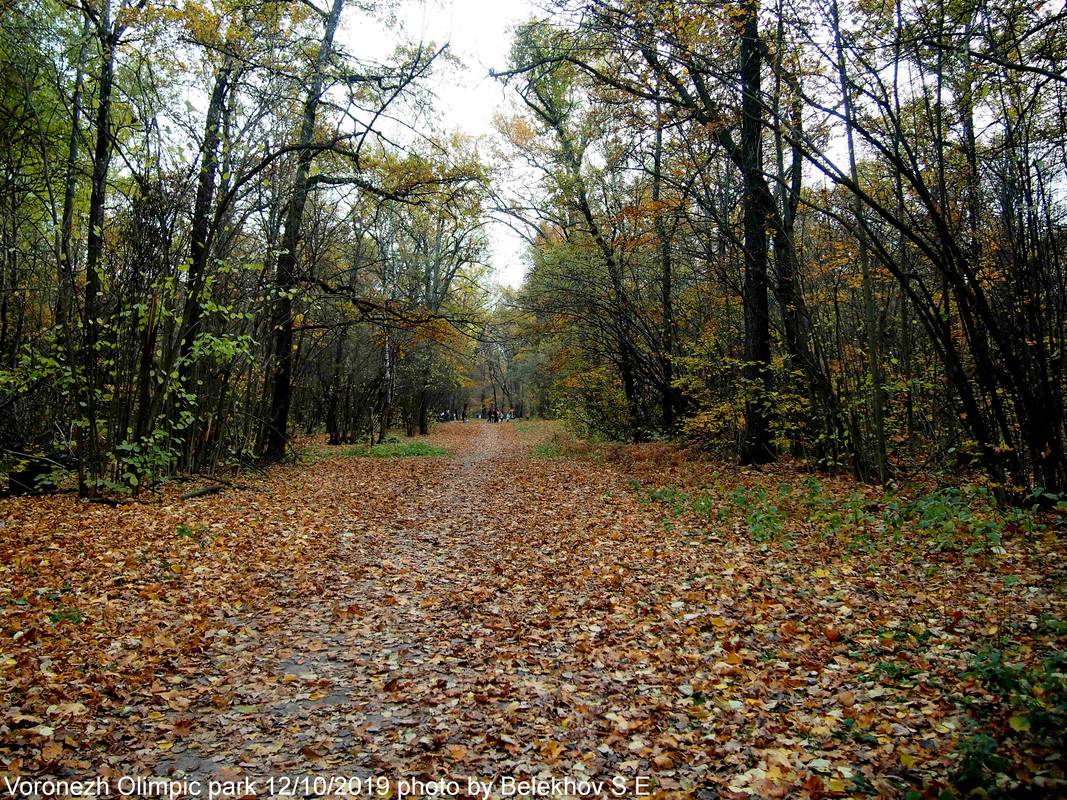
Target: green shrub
979	763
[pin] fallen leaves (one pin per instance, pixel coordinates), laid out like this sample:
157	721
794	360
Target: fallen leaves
493	614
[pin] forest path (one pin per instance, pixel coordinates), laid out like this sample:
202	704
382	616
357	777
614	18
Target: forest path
471	616
494	614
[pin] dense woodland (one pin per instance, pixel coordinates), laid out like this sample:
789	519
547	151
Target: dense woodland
794	306
830	230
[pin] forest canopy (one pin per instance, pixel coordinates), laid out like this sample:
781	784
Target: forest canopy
833	230
828	230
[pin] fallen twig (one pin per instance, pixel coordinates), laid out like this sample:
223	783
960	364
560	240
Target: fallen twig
218	487
225	482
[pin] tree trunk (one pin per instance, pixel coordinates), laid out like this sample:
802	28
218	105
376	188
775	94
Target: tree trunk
663	250
387	389
756	447
879	467
89	463
200	247
424	413
67	277
277	433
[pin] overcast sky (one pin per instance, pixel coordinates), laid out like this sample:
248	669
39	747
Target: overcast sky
479	35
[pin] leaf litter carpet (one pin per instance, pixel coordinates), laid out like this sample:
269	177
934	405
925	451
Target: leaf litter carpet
489	614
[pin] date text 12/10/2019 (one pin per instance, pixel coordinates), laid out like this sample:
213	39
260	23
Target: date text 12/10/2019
318	785
503	786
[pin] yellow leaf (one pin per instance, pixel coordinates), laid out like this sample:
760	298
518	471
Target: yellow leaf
907	759
551	750
1020	723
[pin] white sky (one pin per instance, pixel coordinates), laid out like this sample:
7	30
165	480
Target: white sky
479	35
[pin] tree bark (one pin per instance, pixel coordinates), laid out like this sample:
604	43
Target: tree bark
89	464
663	250
756	447
277	433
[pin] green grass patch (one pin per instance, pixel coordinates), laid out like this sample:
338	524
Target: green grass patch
393	448
548	449
66	614
397	450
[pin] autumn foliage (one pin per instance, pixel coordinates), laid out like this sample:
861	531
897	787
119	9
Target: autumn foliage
632	612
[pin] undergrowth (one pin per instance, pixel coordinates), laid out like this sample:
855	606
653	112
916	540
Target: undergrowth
397	450
392	448
953	535
963	519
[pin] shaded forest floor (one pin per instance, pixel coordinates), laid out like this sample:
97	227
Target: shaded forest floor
506	611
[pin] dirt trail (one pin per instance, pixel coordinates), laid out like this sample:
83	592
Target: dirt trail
449	637
490	615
